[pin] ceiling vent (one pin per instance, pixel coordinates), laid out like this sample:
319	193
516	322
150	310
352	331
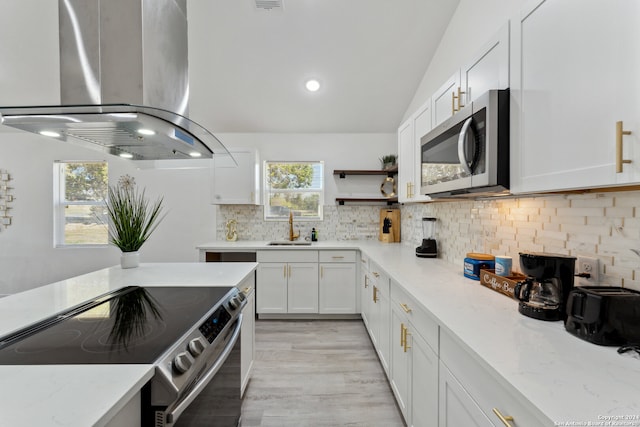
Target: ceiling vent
268	4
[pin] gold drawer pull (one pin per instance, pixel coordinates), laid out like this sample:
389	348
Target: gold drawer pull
246	291
406	308
504	418
375	294
406	341
620	132
337	257
376	274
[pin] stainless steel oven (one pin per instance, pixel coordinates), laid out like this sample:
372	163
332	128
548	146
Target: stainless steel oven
468	154
190	335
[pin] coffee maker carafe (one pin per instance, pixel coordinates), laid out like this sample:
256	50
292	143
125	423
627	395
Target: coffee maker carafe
543	294
429	247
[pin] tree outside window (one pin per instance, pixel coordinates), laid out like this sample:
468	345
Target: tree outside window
294	187
80	214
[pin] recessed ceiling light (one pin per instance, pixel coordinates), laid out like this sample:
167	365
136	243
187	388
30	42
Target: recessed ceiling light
49	133
195	154
312	85
143	131
126	155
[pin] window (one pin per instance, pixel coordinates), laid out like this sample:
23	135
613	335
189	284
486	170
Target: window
80	190
293	187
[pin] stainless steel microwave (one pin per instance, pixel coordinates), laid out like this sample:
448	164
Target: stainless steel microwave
468	154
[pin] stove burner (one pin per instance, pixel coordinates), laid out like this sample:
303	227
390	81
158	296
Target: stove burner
105	341
60	339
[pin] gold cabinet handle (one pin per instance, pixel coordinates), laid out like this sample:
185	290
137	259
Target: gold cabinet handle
504	418
337	257
246	291
453	103
375	294
460	93
406	308
620	132
366	281
376	274
406	344
402	335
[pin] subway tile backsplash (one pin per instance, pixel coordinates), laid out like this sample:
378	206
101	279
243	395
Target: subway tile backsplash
601	225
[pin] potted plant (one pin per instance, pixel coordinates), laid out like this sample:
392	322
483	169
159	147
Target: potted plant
132	219
388	161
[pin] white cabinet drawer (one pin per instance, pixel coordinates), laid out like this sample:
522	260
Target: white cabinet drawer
487	388
423	321
300	255
337	256
364	261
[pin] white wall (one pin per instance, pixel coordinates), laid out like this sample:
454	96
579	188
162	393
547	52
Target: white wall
472	25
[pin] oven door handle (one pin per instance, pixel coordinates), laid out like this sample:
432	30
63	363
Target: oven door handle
173	416
461	140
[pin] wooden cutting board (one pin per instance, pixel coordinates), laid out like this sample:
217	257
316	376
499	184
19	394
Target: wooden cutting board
394	216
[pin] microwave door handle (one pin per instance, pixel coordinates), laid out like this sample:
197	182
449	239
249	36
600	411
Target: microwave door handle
461	140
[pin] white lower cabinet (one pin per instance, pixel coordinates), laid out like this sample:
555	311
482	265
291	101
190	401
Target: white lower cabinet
338	289
307	282
365	290
456	406
380	315
414	363
467	386
247	333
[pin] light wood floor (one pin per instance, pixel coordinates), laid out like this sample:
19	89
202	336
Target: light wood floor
317	373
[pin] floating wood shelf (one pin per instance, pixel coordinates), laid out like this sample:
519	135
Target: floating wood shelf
388	200
344	172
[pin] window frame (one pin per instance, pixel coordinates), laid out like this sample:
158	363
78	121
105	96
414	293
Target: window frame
60	203
268	191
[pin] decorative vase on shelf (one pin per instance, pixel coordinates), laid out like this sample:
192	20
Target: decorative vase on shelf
132	219
130	259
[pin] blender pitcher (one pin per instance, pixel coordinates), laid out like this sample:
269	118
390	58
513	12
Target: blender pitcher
429	247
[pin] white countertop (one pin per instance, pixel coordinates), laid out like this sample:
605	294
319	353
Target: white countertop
564	377
87	395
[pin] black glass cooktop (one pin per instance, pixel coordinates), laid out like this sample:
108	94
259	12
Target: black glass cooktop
133	325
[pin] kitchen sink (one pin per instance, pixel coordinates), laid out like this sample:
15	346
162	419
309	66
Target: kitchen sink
288	243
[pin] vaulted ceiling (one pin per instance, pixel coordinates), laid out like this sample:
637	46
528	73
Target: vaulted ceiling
248	66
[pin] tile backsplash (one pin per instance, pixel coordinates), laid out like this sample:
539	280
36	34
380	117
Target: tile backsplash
601	225
604	225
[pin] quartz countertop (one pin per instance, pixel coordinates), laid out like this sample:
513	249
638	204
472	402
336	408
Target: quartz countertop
87	395
565	378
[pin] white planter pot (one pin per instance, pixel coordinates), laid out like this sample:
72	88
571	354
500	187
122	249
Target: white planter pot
129	259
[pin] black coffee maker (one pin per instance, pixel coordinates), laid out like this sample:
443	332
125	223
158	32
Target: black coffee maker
543	294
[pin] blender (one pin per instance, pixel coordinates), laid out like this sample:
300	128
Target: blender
428	248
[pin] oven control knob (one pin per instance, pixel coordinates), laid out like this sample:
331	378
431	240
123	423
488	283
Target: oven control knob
182	362
236	301
196	346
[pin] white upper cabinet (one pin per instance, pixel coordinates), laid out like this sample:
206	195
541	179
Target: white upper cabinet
489	69
407	162
575	73
237	183
446	100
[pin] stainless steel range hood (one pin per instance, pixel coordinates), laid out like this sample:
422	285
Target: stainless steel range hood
123	82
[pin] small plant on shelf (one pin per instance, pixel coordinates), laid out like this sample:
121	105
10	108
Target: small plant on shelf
388	161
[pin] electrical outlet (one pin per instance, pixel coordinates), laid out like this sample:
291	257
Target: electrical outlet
587	265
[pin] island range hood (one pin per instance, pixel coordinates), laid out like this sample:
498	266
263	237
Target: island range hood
124	84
